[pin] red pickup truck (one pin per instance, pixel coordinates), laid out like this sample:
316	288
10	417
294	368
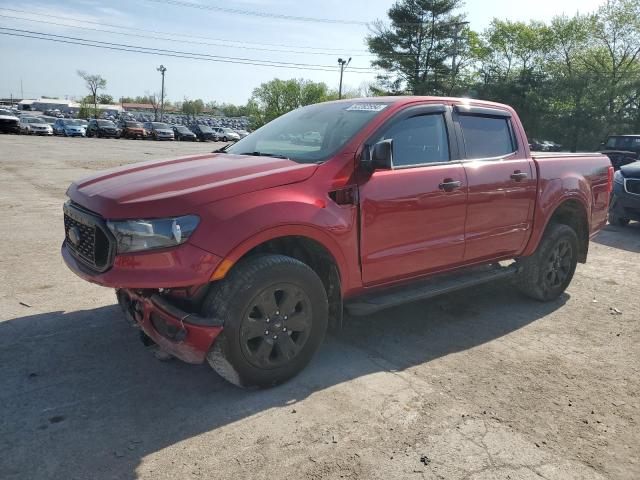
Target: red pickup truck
245	256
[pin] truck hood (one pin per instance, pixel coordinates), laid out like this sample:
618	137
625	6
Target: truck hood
178	186
631	170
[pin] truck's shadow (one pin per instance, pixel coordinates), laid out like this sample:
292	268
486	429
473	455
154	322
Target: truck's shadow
82	398
625	238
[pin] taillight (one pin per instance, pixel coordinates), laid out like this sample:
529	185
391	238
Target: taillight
610	180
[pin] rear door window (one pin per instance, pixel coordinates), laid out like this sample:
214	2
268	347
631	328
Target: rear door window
487	137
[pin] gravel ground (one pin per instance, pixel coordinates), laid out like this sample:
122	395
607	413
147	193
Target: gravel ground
482	384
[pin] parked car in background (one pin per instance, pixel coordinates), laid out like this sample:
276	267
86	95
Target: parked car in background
48	119
204	132
226	134
625	201
621	149
69	128
102	128
9	123
443	195
183	133
242	133
159	131
35	126
133	129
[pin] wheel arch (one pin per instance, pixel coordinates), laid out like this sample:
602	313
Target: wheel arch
307	245
573	213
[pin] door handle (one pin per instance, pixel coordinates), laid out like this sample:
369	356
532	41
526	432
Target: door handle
518	176
448	184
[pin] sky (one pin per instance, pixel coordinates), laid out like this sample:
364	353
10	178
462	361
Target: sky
255	31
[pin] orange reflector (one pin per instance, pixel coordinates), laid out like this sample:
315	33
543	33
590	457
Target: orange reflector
222	269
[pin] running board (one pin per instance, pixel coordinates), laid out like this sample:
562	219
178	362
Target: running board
429	288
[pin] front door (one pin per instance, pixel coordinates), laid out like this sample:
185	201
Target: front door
413	216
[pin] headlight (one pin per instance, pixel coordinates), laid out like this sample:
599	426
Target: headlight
137	235
617	177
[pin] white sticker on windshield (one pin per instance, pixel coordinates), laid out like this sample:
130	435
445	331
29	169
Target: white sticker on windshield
367	107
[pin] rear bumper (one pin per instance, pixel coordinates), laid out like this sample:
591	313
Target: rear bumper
177	332
183	266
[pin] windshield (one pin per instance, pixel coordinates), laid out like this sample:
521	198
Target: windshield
133	124
228	130
160	125
309	134
106	123
69	122
205	129
5	112
33	120
182	129
623	143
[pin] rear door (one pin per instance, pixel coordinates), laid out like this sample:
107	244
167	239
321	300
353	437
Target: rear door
502	183
413	216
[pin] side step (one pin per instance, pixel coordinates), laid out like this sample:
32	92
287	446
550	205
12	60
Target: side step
429	288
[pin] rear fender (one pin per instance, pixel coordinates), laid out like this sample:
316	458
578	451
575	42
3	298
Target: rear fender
552	194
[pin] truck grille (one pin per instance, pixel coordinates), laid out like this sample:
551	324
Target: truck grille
87	238
632	185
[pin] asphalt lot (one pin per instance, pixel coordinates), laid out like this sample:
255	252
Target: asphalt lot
483	384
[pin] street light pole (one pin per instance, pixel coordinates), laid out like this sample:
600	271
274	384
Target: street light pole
162	69
343	64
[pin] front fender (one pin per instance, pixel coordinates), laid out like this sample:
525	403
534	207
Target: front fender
236	225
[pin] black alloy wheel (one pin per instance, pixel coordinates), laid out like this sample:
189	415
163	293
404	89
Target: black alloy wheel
275	326
558	265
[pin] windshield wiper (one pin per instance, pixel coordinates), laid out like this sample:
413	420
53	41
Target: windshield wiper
265	154
223	149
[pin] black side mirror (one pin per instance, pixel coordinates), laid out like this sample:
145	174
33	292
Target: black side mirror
381	156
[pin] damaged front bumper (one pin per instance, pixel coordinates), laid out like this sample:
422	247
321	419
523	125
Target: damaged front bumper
185	335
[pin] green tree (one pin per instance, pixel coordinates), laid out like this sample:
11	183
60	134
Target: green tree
277	97
423	50
85	110
105	99
192	107
571	103
93	84
511	68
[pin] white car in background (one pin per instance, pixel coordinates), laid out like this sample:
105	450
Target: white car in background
226	134
35	126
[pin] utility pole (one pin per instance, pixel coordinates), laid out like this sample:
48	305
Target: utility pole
21	90
162	69
343	64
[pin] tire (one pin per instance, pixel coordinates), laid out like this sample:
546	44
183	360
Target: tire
618	221
547	273
261	346
224	139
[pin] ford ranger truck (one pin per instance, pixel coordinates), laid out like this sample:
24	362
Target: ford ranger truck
242	258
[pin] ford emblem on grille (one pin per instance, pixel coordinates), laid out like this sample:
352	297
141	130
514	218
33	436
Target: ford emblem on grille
74	235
